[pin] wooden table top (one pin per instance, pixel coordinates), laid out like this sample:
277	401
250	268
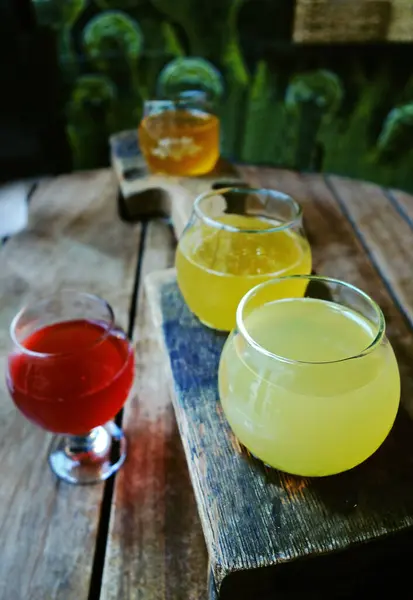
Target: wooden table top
138	537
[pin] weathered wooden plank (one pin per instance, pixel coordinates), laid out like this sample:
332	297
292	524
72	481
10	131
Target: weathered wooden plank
384	232
155	547
332	21
144	193
254	517
400	27
75	239
329	21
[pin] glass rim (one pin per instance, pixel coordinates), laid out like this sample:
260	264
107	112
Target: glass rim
240	325
35	353
198	98
238	189
160	102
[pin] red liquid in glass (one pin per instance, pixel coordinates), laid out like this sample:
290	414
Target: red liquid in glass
83	382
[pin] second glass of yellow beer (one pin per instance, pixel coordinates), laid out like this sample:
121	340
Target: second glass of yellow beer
236	239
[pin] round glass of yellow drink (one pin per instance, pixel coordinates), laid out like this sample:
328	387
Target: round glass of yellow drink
310	386
236	239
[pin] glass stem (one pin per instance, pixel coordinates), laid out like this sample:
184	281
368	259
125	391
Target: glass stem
77	445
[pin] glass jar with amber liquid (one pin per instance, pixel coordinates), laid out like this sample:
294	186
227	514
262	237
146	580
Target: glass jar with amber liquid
179	137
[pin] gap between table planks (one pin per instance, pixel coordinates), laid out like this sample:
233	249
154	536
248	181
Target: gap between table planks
74	239
155	549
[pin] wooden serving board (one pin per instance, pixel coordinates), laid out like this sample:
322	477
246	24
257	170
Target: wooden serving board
270	534
144	194
263	527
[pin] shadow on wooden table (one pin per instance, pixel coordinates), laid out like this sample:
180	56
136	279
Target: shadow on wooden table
361	571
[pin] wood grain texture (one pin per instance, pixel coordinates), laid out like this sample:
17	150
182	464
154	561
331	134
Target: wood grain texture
400	27
48	528
384	232
331	21
155	550
146	194
255	517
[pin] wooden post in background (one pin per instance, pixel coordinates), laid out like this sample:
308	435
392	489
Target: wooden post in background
357	21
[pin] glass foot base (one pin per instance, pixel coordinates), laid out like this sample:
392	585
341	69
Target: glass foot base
90	458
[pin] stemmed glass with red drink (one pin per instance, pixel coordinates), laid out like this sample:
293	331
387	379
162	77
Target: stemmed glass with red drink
70	371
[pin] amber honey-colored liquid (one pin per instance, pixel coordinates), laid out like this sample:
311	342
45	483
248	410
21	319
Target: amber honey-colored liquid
180	142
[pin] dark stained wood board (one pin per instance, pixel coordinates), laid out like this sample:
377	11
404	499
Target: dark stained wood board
143	194
74	239
155	550
301	517
173	196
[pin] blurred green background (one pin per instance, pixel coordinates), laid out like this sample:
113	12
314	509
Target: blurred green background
342	109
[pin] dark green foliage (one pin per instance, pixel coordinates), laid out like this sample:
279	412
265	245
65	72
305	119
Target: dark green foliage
58	13
112	34
160	45
115	4
312	97
190	73
264	120
89	112
397	134
347	112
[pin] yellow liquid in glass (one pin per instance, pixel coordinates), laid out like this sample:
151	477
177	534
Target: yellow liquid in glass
216	267
309	419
